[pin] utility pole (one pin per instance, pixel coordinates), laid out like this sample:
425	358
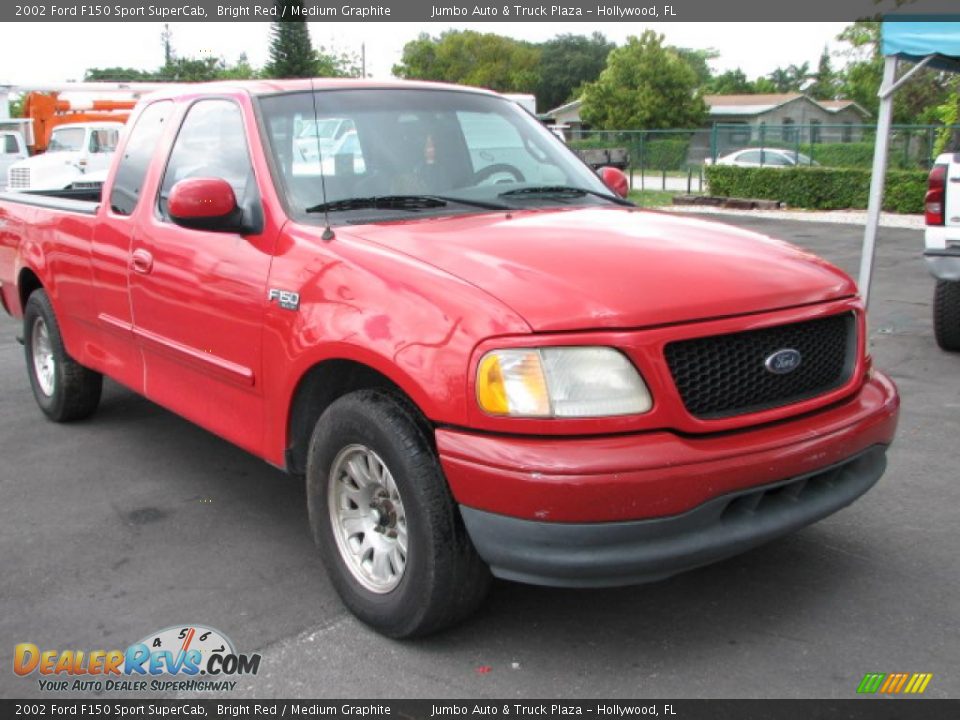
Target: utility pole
363	60
165	37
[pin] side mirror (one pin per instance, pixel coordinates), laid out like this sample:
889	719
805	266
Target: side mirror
615	179
205	204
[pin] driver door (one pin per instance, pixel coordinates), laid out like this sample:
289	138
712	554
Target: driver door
198	296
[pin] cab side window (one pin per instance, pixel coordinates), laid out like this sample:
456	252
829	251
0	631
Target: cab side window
10	145
103	141
132	170
211	144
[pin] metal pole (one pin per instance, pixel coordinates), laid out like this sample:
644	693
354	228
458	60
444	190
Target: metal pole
878	177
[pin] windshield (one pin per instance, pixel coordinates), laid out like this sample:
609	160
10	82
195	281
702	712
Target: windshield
67	139
466	149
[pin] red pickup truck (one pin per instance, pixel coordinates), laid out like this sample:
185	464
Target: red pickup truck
483	360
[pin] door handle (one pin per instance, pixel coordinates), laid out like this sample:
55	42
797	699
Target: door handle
141	261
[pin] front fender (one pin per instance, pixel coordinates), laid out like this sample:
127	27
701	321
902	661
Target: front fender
407	320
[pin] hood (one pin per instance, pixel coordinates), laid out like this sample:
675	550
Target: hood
612	267
49	160
51	171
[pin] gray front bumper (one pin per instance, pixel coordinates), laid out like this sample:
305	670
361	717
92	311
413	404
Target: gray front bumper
627	553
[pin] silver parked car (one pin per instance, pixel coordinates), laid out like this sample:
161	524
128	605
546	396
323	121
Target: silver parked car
767	157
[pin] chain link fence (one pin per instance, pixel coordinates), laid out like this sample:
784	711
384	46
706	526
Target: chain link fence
673	160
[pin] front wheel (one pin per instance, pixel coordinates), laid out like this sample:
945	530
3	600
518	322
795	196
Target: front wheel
946	315
64	389
388	530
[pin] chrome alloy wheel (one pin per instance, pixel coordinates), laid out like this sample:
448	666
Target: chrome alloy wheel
367	517
44	363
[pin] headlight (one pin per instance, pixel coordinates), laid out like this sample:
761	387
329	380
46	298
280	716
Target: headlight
560	382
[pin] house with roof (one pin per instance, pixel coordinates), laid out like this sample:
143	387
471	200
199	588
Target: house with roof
778	114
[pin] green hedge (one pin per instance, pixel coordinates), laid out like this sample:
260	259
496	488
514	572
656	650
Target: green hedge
840	154
843	155
818	188
664	154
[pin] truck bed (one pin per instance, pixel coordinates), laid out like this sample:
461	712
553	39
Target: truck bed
83	201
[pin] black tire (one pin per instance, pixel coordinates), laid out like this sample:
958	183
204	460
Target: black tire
444	579
946	315
75	391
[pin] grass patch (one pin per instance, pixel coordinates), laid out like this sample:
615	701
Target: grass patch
652	198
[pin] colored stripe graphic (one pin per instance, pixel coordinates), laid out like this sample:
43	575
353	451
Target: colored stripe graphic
894	683
871	682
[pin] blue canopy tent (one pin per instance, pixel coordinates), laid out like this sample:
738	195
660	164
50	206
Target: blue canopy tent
926	41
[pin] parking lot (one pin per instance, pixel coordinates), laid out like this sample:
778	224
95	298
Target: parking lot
137	520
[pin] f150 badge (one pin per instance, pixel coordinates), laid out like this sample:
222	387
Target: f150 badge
286	299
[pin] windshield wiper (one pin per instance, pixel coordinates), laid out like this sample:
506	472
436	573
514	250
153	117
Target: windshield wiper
400	202
561	191
391	202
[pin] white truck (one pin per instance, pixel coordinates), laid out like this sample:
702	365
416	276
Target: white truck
77	157
13	148
942	252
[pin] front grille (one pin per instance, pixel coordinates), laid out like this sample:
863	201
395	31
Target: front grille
20	178
726	375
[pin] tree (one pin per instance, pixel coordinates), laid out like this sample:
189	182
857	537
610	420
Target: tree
825	79
16	107
337	64
915	102
166	37
763	85
243	70
472	58
117	74
780	79
699	60
645	86
192	70
731	82
291	53
949	115
798	74
566	63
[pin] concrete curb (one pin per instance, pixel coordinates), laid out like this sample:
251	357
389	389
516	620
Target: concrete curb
843	217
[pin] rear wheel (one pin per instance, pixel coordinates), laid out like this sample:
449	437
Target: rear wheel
389	532
946	315
64	389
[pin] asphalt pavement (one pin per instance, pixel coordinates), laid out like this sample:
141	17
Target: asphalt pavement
136	520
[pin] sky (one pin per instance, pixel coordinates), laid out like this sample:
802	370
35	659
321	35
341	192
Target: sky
59	52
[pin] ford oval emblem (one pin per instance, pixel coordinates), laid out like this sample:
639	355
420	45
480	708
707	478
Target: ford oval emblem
783	361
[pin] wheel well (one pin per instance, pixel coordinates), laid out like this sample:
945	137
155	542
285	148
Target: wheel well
322	385
27	283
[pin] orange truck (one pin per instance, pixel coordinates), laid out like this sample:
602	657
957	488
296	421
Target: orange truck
48	111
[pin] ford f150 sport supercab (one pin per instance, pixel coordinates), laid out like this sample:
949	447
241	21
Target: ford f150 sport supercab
483	360
942	252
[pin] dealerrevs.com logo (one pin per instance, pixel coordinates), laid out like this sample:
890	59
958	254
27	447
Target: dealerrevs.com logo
181	658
